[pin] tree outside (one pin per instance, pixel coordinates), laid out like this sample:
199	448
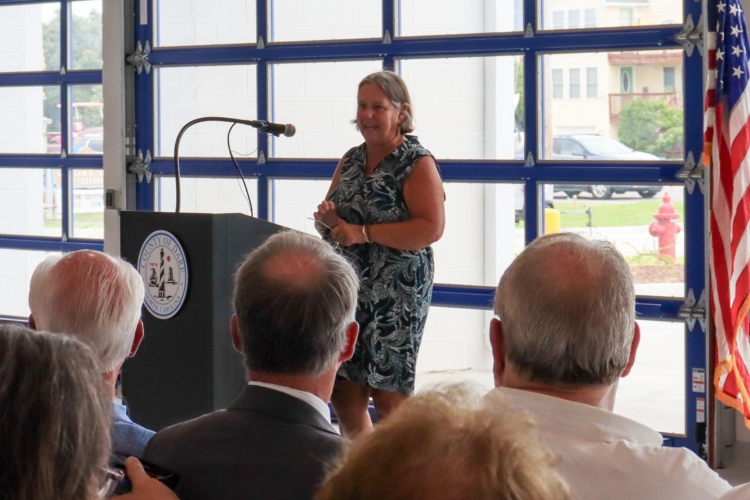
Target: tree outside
652	126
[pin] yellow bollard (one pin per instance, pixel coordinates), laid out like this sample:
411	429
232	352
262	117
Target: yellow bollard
551	221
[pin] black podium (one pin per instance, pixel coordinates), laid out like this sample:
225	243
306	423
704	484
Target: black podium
186	365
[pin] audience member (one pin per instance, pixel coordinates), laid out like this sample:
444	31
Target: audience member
448	443
295	301
98	299
565	335
54	417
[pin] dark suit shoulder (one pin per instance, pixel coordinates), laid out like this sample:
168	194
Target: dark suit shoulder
264	446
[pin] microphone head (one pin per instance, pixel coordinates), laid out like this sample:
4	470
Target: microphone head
289	130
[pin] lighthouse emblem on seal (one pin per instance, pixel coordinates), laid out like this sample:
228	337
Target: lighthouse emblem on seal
164	271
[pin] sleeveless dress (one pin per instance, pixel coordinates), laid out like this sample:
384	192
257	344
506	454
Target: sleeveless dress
395	285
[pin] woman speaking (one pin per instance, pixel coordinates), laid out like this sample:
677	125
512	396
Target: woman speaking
386	207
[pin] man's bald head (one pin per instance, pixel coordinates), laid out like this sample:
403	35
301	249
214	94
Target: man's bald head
294	298
567	307
92	296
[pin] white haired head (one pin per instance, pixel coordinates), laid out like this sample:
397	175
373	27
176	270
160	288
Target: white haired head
91	295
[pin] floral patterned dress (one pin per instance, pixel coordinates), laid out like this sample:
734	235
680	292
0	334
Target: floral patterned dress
395	285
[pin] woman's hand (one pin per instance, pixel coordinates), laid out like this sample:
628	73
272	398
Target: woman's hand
327	214
348	234
144	487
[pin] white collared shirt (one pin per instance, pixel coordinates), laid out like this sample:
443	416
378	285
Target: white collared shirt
307	397
604	455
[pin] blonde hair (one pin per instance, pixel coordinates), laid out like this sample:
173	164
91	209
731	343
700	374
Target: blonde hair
394	87
449	443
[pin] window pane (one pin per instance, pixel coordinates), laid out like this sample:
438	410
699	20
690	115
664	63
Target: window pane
88	204
625	215
30	120
669	79
204	22
590	21
654	391
294	20
557	84
558	20
16	268
574	19
483	232
451	17
455	346
611	13
86	120
468	108
592	89
206	195
320	100
31	202
30	37
86	34
187	93
295	201
574	84
640	122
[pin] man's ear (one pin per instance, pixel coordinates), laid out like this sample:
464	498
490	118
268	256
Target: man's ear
633	349
32	322
497	339
234	327
137	339
352	331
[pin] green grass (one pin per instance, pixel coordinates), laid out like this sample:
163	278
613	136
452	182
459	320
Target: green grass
90	220
605	214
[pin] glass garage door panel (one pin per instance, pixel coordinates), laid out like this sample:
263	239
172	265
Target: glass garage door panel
454	17
186	93
468	107
298	20
31	202
87	210
626	106
207	195
320	100
204	22
16	268
624	215
587	14
30	37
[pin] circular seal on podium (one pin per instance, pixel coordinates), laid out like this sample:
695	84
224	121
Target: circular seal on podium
163	268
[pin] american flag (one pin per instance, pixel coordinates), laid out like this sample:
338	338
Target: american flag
726	147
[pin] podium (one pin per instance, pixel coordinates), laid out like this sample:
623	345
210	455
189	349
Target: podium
186	365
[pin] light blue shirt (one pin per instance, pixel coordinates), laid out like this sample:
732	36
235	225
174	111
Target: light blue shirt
128	438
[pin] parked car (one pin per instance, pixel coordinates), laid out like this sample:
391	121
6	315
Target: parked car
597	147
91	142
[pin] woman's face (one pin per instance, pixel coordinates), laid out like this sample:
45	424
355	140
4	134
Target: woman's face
377	117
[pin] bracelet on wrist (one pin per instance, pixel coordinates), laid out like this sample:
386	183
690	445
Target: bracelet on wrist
364	233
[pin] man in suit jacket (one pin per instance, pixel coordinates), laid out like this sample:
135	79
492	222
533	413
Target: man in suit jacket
294	301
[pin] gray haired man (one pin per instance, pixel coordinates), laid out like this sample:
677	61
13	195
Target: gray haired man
98	299
294	301
566	333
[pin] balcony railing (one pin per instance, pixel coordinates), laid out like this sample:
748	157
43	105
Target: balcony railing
617	101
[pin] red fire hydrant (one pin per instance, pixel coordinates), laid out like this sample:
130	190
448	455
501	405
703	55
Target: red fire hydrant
664	228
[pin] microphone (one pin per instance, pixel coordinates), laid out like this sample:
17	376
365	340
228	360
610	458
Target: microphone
276	128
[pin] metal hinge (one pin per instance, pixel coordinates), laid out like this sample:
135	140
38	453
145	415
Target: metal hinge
529	160
692	310
691	173
140	58
691	35
140	166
